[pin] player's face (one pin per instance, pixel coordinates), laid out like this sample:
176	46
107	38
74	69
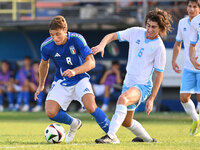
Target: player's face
152	30
193	9
59	36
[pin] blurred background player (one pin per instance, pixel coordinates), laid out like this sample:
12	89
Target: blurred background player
194	49
110	78
190	76
146	54
34	82
6	80
72	58
22	80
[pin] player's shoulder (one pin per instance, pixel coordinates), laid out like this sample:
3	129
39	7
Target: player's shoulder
196	19
184	20
136	29
77	37
47	43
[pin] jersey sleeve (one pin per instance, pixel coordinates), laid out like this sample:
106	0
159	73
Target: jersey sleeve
193	33
44	55
82	46
160	59
179	37
125	35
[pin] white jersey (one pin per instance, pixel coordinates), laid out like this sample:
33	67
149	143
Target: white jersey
144	56
183	36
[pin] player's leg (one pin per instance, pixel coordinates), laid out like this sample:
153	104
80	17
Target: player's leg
100	117
10	95
1	100
86	96
188	86
106	98
57	102
130	96
198	97
189	108
136	128
26	96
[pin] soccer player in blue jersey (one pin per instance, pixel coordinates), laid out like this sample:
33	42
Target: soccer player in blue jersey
190	77
72	58
147	54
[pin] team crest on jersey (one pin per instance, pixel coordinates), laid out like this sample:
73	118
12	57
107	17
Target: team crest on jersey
72	50
184	29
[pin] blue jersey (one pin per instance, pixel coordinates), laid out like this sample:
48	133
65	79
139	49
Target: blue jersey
68	56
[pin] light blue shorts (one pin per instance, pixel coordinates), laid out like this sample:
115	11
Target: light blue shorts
145	92
190	82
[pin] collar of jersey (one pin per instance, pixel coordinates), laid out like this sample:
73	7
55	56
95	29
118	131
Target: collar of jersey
189	21
147	40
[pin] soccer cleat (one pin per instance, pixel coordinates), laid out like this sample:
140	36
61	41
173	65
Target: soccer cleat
107	140
72	131
194	128
138	139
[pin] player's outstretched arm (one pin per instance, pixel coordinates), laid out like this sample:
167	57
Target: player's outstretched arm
193	57
176	50
156	86
107	39
43	71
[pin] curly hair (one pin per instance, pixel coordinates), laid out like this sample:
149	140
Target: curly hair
58	22
163	19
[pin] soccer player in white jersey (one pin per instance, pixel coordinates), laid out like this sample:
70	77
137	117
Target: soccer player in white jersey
73	58
146	55
190	76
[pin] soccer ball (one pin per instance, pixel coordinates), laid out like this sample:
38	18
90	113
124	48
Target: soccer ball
54	133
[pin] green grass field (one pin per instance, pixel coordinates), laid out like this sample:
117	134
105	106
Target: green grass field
26	131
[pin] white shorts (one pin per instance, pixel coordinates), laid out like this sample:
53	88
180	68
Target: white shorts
63	95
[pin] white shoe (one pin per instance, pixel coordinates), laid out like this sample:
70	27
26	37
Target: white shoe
25	108
1	108
72	131
104	107
37	108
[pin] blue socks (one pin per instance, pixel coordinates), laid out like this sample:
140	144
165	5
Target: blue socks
106	100
62	117
101	119
26	96
41	97
10	96
1	99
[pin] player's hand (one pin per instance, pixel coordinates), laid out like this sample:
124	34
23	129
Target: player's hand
149	106
176	67
39	89
70	73
98	49
195	63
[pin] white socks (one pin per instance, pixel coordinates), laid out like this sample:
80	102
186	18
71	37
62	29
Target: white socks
190	109
137	129
117	120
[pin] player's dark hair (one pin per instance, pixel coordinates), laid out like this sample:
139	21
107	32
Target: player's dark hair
196	1
27	57
58	22
163	19
6	62
115	62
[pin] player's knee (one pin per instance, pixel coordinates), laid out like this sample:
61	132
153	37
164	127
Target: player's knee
184	99
122	100
51	113
91	108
